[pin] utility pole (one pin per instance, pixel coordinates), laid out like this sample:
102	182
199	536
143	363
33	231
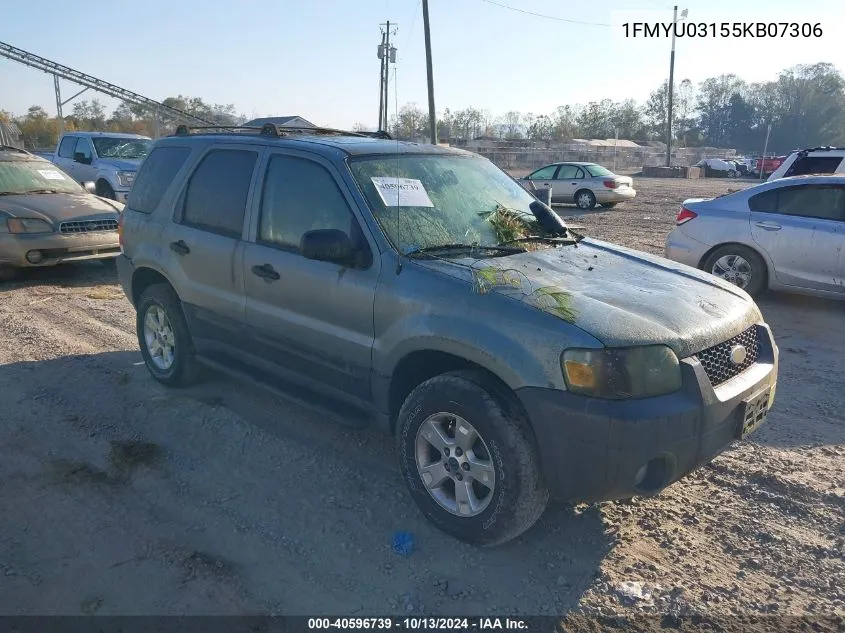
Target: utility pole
765	149
388	55
432	114
383	59
672	87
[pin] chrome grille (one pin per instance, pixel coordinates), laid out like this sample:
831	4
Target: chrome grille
717	362
88	226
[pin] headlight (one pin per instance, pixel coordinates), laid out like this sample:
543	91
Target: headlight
28	225
620	373
126	178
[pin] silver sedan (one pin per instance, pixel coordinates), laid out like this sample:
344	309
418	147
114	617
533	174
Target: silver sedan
786	235
585	184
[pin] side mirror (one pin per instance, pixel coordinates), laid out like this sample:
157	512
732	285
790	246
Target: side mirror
328	245
90	187
79	157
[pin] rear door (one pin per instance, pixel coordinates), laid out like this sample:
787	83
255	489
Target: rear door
568	178
802	229
309	320
204	251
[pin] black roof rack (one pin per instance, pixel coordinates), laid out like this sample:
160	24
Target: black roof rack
273	130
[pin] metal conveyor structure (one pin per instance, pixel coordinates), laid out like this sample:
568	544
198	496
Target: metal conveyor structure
92	83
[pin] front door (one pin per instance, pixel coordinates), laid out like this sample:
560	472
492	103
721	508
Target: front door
802	229
203	250
544	178
312	320
83	157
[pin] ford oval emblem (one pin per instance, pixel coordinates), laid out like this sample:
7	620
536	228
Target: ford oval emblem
738	354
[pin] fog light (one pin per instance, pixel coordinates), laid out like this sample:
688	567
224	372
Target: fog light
35	257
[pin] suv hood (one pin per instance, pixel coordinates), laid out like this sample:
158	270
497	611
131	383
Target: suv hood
620	296
58	207
121	164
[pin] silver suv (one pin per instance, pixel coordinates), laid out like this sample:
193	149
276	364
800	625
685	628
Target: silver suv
424	288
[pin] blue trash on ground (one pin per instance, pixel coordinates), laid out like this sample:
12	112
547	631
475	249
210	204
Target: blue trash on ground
403	543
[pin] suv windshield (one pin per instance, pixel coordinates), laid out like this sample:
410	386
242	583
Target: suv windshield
35	176
425	201
114	147
597	171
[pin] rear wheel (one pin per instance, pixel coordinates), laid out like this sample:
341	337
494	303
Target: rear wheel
164	338
738	264
584	199
469	460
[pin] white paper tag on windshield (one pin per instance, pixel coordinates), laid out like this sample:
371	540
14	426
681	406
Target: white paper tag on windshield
51	174
402	192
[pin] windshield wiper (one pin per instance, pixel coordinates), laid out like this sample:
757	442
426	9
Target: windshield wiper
29	191
464	247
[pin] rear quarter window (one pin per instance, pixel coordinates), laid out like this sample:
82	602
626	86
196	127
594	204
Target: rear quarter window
155	176
814	165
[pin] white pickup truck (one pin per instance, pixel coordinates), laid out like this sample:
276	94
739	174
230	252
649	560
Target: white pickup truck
108	159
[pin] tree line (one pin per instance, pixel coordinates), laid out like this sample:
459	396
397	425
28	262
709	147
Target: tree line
805	106
40	130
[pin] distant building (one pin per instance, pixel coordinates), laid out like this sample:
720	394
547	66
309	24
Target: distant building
10	134
284	121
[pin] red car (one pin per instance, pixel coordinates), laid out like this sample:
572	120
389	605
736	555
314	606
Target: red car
769	164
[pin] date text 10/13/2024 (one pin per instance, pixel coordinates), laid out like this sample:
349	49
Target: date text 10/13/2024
418	624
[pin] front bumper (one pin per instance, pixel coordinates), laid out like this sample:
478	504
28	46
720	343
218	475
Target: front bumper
122	196
57	248
593	450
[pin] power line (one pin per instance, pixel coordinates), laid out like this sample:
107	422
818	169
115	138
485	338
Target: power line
413	22
548	17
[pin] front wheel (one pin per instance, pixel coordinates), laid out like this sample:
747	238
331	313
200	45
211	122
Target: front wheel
164	338
738	264
585	200
469	462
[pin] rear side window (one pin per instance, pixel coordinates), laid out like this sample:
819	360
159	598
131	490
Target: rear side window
215	199
66	147
155	176
826	202
813	165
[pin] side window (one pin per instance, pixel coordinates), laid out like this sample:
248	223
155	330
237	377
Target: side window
580	173
299	196
815	201
567	172
765	202
66	147
83	147
544	173
814	165
156	174
215	199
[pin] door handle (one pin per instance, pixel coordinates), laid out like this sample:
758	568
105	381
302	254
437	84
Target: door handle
265	271
180	247
769	226
574	183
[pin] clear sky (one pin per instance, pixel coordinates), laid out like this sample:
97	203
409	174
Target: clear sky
317	58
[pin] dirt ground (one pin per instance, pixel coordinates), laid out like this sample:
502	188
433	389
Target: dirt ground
118	496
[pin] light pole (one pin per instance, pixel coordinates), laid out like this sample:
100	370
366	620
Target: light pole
432	115
765	149
672	87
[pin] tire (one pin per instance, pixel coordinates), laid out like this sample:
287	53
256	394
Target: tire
104	190
184	368
505	449
585	200
732	174
754	265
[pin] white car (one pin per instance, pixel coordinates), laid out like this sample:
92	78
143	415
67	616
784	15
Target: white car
716	167
818	160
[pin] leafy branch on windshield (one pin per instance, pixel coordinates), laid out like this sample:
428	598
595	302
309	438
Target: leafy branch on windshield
516	284
511	225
